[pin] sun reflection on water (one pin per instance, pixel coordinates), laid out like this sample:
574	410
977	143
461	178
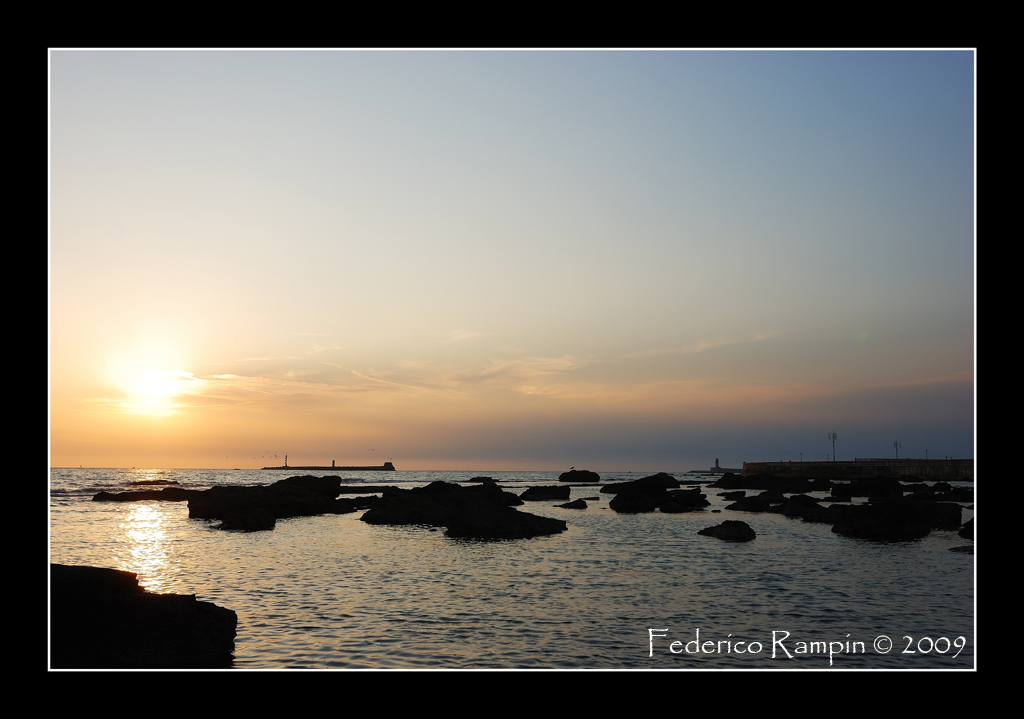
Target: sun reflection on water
143	545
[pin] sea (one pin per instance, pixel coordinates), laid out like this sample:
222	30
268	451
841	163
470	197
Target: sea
615	591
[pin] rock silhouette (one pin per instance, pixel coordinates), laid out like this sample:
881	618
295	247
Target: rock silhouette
102	619
483	511
579	475
730	531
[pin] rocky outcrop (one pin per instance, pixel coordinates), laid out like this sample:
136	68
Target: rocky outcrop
658	491
654	485
102	619
895	520
479	512
579	475
576	504
683	500
168	494
730	531
787	485
535	494
258	508
873	488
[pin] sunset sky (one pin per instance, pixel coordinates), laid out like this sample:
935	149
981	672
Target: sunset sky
625	260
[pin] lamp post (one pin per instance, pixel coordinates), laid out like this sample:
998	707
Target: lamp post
833	436
897	445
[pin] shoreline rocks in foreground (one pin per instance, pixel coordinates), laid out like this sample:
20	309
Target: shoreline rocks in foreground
102	619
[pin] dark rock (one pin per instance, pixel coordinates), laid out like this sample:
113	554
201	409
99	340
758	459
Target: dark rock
787	485
728	481
249	519
360	488
803	507
967	531
730	531
957	494
250	507
535	494
966	549
733	496
874	488
757	503
481	479
633	503
345	505
577	504
895	520
479	512
102	619
650	493
168	494
579	475
329	486
655	485
683	500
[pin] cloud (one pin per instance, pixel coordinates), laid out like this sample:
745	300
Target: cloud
456	336
705	344
518	369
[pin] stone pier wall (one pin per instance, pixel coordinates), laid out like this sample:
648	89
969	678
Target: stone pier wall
949	469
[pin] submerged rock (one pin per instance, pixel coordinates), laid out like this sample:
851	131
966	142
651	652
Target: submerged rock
730	531
102	619
479	512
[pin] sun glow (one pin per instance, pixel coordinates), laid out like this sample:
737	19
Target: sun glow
156	383
153	392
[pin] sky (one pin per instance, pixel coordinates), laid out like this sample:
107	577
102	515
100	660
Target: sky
617	260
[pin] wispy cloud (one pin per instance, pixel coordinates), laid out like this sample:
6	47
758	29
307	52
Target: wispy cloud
955	378
519	369
456	336
705	344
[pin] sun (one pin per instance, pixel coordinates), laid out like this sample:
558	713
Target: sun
155	393
164	383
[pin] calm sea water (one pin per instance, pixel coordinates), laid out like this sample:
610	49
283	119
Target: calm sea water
332	592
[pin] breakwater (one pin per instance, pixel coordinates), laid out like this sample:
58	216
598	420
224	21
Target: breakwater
386	467
948	469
